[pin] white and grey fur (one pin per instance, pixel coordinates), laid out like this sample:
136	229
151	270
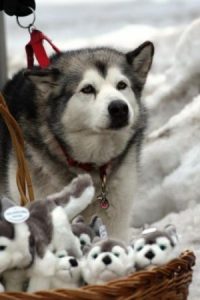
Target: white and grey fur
31	246
155	247
67	272
107	260
88	102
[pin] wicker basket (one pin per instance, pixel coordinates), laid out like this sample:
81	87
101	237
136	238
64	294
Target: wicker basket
169	282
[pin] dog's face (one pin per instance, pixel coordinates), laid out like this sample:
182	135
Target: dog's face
95	94
105	261
157	253
67	269
102	102
14	246
154	248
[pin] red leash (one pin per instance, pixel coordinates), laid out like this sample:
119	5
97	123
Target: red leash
36	48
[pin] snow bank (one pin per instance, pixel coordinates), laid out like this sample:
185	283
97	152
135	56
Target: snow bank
170	183
171	158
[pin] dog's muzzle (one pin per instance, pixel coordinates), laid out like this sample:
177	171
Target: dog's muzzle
119	114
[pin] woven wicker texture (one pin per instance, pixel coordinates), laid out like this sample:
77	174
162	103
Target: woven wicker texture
169	282
23	178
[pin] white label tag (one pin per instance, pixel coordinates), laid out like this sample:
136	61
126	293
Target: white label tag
103	232
149	230
16	214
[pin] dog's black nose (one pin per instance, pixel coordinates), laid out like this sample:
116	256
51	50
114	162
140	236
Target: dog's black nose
73	262
107	260
150	254
119	112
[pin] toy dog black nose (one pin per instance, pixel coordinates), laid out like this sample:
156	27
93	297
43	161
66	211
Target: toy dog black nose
107	260
119	112
73	262
150	254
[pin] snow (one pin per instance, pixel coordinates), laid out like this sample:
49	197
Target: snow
170	164
169	183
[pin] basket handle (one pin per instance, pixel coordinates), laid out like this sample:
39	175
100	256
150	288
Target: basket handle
23	177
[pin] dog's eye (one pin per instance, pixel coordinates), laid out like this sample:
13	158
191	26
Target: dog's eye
88	89
121	85
95	255
139	248
61	255
2	248
163	247
116	254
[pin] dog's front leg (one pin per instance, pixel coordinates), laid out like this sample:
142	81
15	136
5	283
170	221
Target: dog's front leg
121	191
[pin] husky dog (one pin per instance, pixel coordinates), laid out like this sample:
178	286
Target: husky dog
83	112
106	260
32	245
155	247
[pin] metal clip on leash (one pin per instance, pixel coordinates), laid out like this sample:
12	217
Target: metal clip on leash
103	196
31	25
35	45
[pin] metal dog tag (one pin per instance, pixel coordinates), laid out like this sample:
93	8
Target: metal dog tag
103	200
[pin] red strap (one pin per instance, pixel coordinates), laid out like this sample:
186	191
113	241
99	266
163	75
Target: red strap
85	166
35	48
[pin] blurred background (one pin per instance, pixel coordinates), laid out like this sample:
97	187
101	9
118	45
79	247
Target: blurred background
76	23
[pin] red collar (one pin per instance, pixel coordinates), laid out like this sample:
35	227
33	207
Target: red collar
88	167
103	170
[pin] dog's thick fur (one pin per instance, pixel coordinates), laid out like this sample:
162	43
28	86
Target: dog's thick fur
70	106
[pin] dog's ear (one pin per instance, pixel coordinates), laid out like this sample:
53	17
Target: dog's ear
170	229
95	223
141	60
44	79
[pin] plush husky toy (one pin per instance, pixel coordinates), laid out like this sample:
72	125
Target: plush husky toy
31	245
67	272
106	260
85	232
155	247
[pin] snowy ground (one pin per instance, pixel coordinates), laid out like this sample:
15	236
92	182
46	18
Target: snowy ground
170	181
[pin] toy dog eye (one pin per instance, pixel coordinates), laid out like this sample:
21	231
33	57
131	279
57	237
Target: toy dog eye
88	89
2	248
121	85
95	255
83	243
163	247
139	248
61	255
117	254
